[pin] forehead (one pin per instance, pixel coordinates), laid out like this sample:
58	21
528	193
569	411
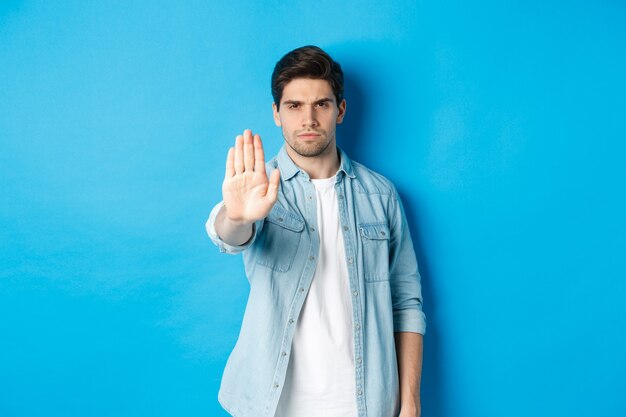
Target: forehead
307	89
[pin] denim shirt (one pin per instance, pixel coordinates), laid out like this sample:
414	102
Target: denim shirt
280	259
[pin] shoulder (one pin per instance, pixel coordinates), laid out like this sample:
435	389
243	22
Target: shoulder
369	181
271	165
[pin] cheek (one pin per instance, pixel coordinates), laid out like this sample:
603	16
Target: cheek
330	121
285	122
286	133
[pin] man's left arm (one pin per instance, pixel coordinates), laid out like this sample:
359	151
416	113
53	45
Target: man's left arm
409	348
408	317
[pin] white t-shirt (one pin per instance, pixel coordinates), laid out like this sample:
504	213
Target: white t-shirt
320	375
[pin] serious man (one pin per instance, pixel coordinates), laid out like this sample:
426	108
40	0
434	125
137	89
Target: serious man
334	323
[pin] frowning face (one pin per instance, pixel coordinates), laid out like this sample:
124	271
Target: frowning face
309	115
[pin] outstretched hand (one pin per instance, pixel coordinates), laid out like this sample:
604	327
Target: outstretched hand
247	192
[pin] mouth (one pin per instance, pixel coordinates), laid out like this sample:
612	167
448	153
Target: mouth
309	135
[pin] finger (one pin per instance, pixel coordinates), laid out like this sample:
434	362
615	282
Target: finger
272	188
230	163
248	151
259	155
239	154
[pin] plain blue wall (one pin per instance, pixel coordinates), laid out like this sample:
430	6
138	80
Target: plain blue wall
502	125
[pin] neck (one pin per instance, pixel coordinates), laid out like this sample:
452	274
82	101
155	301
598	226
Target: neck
321	166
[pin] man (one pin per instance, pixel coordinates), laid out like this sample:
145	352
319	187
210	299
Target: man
334	323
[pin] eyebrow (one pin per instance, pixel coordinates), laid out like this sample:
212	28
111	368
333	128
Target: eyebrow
320	101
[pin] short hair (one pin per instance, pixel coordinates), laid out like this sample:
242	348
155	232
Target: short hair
306	62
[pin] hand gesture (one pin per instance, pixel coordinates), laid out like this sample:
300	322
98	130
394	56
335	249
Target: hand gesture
248	194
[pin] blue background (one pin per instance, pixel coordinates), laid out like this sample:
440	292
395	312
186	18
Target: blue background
501	123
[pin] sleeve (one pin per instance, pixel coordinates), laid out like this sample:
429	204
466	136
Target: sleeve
405	280
223	246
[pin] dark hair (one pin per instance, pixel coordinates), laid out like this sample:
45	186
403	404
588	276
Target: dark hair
306	62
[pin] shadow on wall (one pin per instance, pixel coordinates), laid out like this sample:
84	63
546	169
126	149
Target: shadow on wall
349	132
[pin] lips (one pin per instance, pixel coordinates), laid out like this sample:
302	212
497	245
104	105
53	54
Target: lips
309	135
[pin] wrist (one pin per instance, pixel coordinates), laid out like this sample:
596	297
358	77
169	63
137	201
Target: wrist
410	407
237	222
410	412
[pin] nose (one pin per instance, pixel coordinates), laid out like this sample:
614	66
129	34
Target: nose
309	117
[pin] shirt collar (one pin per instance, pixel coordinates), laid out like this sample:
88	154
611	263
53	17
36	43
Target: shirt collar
288	169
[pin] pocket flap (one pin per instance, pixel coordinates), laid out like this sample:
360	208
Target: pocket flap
375	231
285	219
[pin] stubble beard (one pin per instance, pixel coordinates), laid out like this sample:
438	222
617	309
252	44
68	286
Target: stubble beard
308	149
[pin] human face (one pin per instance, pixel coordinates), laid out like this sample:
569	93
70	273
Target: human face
309	115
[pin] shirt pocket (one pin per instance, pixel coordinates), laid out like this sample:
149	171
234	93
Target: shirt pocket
375	246
279	239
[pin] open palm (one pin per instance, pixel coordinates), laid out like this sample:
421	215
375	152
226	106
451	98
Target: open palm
247	192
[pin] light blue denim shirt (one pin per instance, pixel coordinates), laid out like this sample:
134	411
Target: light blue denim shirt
280	260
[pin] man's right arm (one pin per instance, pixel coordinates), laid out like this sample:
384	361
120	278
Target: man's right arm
229	246
248	195
232	232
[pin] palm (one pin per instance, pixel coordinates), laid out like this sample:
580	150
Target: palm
247	192
245	196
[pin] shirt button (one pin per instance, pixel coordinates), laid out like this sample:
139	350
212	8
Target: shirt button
359	360
350	260
310	197
301	289
360	392
284	353
275	385
340	196
355	293
357	326
290	321
312	229
345	228
311	258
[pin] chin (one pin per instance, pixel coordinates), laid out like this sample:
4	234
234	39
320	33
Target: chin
309	150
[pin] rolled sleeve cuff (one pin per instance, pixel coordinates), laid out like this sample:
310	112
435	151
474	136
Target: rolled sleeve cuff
223	246
409	320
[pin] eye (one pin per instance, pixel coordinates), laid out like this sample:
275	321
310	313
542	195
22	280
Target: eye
293	106
323	104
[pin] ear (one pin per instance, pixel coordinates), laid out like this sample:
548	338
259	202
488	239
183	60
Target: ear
342	111
276	115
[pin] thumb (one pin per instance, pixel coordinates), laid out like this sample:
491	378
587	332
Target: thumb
272	188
